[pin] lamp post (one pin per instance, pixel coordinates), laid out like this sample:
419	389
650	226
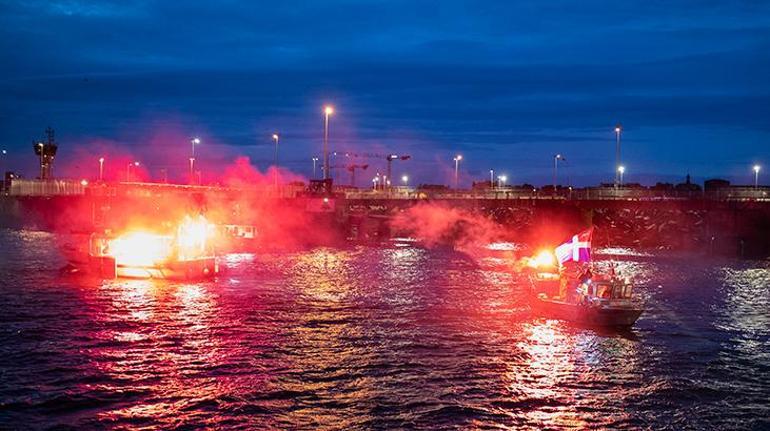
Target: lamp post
128	170
315	160
457	170
4	153
275	162
101	169
328	110
42	169
618	132
193	143
621	171
556	159
757	168
405	179
491	178
501	180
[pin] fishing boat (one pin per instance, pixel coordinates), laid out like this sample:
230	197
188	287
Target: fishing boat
564	287
606	303
185	254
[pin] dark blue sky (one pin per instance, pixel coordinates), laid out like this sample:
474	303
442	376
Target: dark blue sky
507	83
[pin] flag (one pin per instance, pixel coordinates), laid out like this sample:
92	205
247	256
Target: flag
577	249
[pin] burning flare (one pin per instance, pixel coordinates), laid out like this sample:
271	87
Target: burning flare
544	259
145	249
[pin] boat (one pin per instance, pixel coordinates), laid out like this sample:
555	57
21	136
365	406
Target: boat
185	254
564	287
605	303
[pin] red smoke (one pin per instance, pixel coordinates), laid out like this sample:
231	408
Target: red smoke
443	225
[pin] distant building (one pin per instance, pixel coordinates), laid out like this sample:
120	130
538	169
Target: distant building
715	184
688	186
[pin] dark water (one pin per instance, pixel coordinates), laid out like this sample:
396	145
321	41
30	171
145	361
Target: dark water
373	338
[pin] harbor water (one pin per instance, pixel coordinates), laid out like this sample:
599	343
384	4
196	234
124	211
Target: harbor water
386	337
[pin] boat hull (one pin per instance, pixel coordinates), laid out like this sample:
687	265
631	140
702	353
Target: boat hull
589	315
193	269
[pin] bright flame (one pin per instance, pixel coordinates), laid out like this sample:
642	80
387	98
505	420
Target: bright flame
144	249
544	259
140	249
192	237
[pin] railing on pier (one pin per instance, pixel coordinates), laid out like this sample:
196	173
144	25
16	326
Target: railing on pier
593	193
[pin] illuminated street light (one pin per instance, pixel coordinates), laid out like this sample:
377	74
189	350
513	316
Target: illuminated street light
556	159
457	170
491	178
101	169
405	179
618	132
193	143
4	153
275	162
40	144
328	111
621	171
501	180
315	160
757	168
128	170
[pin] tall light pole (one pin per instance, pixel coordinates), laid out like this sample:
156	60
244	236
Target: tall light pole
457	170
275	162
556	159
328	110
621	171
42	168
501	180
491	178
618	132
101	169
757	168
193	143
4	153
128	171
315	160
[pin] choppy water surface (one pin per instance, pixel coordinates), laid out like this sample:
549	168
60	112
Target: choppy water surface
390	337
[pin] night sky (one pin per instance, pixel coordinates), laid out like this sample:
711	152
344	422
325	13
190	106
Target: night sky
507	84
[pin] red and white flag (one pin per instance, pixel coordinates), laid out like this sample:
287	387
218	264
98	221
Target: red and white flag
577	249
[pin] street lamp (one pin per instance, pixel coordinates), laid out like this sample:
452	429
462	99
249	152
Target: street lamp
2	171
457	169
275	174
328	110
556	159
621	171
501	180
491	178
618	132
315	160
193	143
757	168
128	170
101	169
40	144
405	179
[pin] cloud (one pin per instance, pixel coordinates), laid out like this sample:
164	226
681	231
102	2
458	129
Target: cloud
508	81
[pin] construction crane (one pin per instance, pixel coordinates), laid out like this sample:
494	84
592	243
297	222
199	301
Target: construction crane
389	158
352	169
